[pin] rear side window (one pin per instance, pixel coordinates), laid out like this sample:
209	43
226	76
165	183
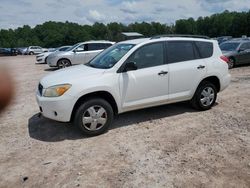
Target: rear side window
178	51
205	49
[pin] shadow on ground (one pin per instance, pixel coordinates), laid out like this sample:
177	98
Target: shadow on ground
50	69
43	129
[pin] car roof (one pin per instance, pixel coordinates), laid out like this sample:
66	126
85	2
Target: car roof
146	40
236	41
97	41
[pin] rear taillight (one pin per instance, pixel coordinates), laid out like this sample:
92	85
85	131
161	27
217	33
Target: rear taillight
224	58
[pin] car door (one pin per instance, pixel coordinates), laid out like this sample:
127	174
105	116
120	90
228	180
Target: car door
244	53
148	85
186	69
79	54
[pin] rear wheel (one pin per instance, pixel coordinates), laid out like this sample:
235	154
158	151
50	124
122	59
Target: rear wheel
94	116
31	53
231	63
205	96
63	63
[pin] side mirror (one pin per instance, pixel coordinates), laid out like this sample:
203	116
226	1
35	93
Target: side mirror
129	66
78	50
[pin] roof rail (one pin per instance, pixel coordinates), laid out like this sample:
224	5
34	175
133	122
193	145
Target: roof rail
180	35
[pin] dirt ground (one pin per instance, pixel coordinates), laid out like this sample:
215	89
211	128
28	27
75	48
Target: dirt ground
167	146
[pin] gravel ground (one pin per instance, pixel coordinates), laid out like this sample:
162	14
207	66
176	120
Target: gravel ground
167	146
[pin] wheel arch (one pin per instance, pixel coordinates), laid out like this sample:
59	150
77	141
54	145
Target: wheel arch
63	58
214	80
98	94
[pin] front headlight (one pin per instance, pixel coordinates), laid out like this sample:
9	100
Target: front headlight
56	91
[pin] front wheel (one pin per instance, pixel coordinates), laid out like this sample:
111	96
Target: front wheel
63	63
31	53
94	116
205	96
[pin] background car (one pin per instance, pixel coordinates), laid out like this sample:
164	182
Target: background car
77	54
7	52
32	50
223	39
42	58
237	51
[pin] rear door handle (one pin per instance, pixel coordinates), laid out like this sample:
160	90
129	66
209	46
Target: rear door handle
162	73
201	67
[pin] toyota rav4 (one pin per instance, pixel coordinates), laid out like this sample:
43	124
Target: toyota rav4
133	75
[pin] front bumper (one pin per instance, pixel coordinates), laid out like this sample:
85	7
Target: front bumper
40	59
56	108
52	62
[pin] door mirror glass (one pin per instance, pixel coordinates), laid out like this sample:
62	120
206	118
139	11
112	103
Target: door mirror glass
130	66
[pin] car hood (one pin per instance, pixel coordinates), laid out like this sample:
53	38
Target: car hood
44	54
70	75
60	53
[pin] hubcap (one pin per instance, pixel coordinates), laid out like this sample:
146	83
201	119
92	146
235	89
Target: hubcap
63	64
94	118
207	96
230	64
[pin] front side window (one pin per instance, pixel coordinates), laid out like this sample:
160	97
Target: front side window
93	46
109	57
80	48
179	51
148	56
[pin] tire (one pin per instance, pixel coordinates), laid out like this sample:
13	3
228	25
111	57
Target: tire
98	115
45	61
205	96
63	63
231	63
31	53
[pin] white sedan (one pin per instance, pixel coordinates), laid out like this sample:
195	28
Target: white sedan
42	58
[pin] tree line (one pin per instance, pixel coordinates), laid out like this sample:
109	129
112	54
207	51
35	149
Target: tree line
54	34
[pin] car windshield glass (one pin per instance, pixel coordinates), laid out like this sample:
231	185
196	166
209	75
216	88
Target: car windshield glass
72	47
229	46
109	57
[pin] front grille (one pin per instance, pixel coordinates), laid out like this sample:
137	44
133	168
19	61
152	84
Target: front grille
40	89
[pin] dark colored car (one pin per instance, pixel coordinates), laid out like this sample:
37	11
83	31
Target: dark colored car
223	39
7	52
237	51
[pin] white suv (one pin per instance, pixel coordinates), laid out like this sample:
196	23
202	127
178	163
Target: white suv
132	75
79	53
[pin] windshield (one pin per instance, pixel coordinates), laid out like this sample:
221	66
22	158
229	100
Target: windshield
229	46
109	57
72	47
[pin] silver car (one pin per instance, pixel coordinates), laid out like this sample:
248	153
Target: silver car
42	58
31	50
80	53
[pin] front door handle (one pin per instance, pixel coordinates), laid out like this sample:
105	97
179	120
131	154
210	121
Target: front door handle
162	73
201	67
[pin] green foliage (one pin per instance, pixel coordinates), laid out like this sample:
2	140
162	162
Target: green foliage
54	34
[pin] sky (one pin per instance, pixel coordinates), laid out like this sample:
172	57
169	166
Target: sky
16	13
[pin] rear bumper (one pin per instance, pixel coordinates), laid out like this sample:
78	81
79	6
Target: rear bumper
225	81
